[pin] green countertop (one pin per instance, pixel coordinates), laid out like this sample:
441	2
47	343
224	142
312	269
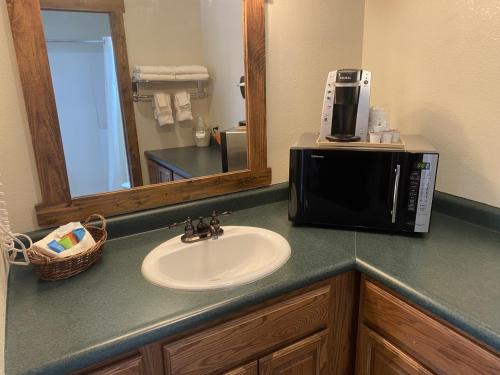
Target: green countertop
55	328
190	161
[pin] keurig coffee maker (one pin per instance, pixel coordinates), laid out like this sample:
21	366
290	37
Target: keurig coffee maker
346	106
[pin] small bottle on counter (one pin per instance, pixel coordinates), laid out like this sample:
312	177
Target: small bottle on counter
201	134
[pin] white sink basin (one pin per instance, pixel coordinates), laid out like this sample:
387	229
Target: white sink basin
241	255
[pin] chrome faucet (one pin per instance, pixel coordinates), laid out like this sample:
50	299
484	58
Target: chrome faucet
202	231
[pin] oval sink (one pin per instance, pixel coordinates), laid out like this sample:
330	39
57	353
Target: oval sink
241	255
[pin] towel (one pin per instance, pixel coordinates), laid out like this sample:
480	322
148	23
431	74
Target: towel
161	70
192	77
163	108
169	73
182	103
70	239
153	77
190	69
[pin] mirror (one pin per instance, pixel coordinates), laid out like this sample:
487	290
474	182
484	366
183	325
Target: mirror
97	143
185	59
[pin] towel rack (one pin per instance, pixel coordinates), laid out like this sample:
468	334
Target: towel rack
199	93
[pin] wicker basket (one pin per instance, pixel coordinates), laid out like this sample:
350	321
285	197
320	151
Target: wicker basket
52	269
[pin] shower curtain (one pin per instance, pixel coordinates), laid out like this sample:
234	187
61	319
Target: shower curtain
118	175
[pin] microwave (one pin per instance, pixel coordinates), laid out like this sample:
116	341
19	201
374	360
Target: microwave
381	189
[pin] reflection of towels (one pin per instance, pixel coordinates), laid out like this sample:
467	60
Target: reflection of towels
144	69
154	77
182	103
170	73
190	69
163	108
191	77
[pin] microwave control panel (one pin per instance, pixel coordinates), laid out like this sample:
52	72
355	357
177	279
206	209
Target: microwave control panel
421	191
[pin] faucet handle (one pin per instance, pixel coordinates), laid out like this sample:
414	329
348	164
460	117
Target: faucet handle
215	218
189	227
215	215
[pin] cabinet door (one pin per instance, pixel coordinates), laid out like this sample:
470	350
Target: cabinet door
158	174
129	366
377	356
250	369
306	357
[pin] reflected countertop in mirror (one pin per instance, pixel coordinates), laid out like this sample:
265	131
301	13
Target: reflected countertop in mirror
189	162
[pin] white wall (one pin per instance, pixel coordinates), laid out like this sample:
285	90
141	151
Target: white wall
305	40
435	66
17	164
222	35
154	37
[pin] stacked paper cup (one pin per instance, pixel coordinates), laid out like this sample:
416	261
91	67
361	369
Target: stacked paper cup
380	130
377	122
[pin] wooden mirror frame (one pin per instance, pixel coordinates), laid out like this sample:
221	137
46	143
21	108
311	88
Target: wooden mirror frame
58	207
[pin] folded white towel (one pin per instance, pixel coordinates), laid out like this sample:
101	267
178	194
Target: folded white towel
154	77
145	69
191	77
182	103
163	108
190	69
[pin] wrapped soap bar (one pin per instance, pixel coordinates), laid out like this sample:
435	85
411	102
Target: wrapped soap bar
68	240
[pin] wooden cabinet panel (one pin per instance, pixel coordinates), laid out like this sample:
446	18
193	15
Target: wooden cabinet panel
230	344
250	369
159	174
432	343
129	366
306	357
377	356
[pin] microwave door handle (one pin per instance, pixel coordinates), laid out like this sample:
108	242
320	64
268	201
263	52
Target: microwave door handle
396	191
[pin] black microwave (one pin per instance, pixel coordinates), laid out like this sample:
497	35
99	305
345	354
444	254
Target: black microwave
383	189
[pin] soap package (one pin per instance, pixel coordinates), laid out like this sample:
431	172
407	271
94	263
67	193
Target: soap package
68	240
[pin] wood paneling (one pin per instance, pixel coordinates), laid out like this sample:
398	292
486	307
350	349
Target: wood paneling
343	322
438	347
33	62
151	196
129	366
85	5
235	342
250	369
377	356
57	206
306	357
255	78
158	173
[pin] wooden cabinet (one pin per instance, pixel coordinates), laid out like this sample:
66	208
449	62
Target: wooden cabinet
129	366
250	369
377	356
397	338
310	331
230	344
158	173
306	357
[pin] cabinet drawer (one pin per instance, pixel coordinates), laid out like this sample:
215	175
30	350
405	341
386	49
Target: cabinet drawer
434	344
238	341
129	366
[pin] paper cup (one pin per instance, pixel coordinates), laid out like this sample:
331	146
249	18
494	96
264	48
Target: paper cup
375	137
386	137
396	136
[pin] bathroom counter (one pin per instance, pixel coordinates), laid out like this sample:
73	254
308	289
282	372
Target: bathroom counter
54	328
189	162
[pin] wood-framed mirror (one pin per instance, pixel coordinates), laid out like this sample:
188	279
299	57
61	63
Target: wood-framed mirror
126	103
